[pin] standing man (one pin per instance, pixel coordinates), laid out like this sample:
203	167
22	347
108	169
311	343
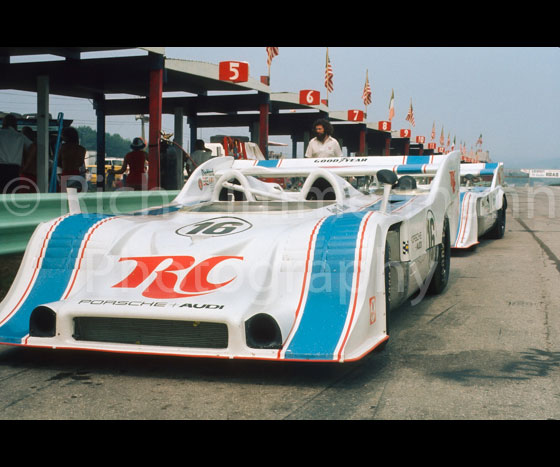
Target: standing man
199	156
12	145
323	145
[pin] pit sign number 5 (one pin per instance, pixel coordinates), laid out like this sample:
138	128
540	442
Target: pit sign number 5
237	72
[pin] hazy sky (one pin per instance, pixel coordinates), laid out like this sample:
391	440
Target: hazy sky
509	95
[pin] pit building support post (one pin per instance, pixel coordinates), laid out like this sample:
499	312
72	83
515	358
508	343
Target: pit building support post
263	123
99	105
388	145
178	138
363	146
192	122
43	134
156	90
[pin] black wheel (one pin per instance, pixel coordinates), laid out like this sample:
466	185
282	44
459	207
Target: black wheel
381	347
387	286
499	228
443	261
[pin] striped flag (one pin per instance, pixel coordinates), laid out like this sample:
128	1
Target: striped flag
410	115
392	105
366	95
328	74
271	52
434	131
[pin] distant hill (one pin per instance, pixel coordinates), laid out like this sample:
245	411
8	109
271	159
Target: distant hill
545	163
536	163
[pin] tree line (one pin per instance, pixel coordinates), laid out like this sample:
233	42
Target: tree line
115	145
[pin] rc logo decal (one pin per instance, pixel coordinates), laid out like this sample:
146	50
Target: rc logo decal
175	276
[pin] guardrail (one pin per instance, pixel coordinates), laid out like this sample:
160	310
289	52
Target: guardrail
20	214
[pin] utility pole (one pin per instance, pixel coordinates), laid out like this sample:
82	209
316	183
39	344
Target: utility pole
143	119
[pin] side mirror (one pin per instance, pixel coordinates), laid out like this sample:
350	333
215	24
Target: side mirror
388	178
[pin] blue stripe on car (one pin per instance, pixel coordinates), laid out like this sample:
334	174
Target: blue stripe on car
489	168
55	272
410	169
330	284
421	160
268	163
461	196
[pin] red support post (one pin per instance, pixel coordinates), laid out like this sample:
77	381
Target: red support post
362	149
388	145
156	90
263	126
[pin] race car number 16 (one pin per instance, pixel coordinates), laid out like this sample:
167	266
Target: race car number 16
431	234
216	226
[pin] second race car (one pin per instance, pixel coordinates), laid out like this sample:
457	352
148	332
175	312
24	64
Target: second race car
483	204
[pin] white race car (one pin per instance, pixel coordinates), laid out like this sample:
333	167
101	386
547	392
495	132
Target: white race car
238	267
483	204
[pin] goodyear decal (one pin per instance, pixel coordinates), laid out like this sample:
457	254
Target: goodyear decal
54	271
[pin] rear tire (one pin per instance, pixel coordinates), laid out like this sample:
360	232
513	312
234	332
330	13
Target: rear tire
441	274
387	268
387	276
499	228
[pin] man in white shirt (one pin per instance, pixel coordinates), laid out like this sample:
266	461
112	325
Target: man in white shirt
323	145
12	145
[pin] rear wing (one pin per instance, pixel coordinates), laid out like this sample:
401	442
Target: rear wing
209	178
343	166
496	169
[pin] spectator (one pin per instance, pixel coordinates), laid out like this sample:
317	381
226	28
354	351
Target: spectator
12	145
323	145
135	161
71	159
199	156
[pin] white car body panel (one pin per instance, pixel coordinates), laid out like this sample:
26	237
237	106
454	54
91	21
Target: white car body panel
479	205
315	267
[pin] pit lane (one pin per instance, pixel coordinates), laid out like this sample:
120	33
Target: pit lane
487	348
